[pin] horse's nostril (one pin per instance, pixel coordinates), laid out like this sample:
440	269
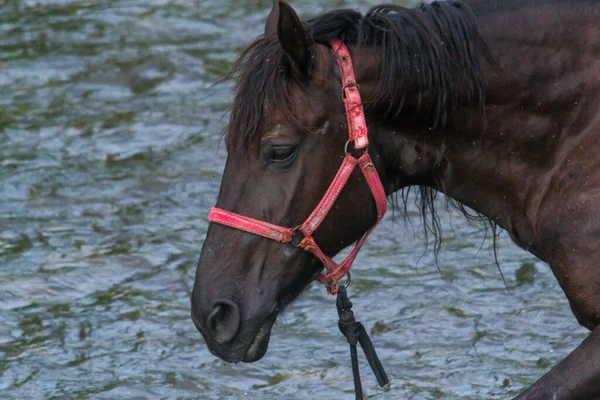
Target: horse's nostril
224	321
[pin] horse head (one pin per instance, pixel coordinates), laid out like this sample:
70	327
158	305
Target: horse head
286	140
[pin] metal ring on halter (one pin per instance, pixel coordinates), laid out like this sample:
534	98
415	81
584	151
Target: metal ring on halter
297	239
347	151
348	281
346	147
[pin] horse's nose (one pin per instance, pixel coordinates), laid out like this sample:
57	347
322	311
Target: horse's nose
223	321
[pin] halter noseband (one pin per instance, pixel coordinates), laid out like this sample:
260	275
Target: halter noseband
358	137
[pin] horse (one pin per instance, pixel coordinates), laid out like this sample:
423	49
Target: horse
494	104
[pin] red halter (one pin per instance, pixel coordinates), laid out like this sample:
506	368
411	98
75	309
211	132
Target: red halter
358	137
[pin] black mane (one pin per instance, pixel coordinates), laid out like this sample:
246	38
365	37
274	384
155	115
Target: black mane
434	48
431	49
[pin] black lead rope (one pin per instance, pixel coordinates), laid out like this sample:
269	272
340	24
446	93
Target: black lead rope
355	333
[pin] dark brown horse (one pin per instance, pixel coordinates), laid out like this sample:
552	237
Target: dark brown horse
494	103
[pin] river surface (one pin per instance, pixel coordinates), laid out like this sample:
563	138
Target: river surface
109	159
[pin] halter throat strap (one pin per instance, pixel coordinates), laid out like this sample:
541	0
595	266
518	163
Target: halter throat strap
302	235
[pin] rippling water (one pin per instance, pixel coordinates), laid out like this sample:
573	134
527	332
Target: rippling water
109	159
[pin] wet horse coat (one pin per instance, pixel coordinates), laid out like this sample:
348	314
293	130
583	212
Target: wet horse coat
494	104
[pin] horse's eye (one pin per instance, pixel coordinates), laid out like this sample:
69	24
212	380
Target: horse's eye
283	154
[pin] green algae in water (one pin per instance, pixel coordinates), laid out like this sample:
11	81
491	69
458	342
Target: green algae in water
273	380
525	274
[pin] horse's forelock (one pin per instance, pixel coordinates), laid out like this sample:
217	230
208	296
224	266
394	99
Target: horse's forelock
261	86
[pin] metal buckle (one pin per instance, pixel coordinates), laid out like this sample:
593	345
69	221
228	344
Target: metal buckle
347	86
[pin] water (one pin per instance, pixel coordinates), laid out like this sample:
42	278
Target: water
109	159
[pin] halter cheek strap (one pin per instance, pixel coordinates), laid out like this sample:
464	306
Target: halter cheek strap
358	137
357	126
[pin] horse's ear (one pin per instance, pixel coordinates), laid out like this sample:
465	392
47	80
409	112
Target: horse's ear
294	39
272	19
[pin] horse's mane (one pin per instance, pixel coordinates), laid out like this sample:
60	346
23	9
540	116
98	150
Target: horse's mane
434	48
481	7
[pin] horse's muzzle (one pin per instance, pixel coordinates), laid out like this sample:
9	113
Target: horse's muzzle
228	338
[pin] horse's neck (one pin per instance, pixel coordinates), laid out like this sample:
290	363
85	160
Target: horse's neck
499	164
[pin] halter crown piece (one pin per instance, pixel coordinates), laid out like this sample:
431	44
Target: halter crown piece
358	137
